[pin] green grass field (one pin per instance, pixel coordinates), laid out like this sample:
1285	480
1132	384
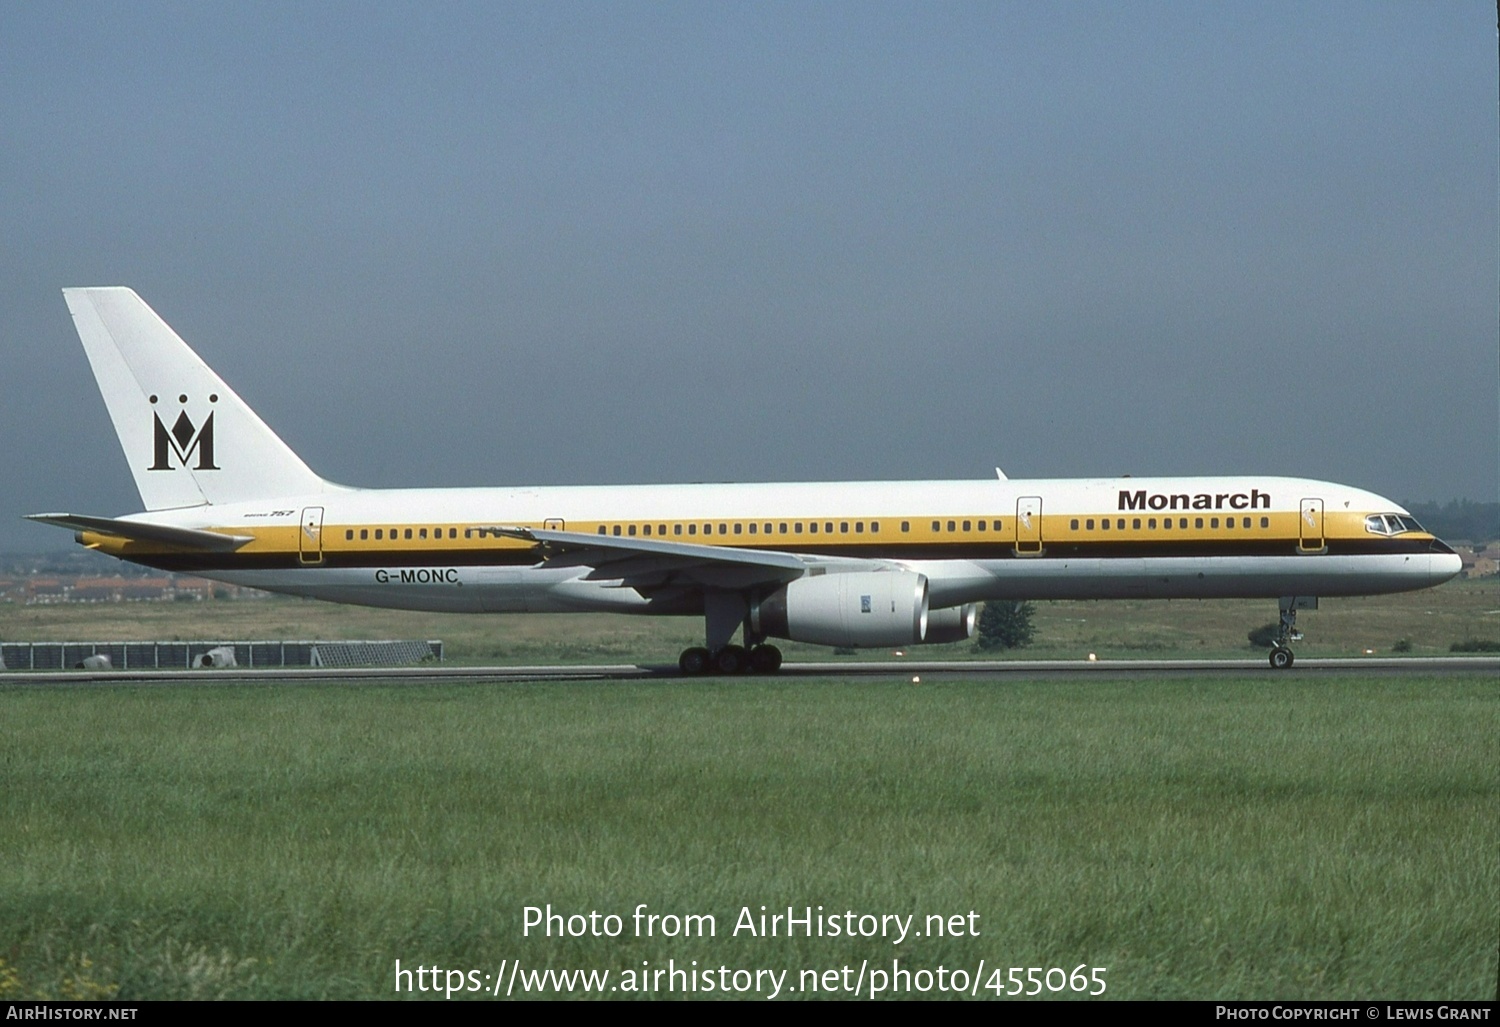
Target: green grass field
1270	836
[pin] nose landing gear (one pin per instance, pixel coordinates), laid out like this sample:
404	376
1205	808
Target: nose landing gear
1281	653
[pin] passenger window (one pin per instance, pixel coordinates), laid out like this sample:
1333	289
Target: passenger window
936	526
364	533
646	530
1073	524
349	535
661	529
906	525
422	533
1120	524
632	531
768	527
752	527
380	533
692	529
952	525
677	529
617	529
1197	522
797	527
783	527
723	529
812	528
859	527
1151	523
828	527
843	527
1136	524
981	525
1088	525
1167	523
738	528
1265	522
1104	524
603	530
874	527
407	533
968	525
997	525
1229	522
1213	522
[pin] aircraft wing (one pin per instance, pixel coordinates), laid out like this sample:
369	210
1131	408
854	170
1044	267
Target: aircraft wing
644	563
137	531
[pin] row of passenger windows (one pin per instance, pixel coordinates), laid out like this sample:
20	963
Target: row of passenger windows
708	528
396	533
1166	523
814	527
753	528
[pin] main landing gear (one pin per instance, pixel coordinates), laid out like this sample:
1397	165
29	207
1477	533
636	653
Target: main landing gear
731	659
1281	654
725	613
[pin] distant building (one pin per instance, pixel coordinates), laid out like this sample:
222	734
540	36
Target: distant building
46	590
1483	564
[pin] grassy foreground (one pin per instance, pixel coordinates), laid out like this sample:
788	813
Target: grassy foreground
1270	837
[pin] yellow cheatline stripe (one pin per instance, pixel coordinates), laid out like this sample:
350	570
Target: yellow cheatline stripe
1055	528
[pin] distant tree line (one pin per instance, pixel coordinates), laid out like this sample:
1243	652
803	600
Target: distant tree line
1459	518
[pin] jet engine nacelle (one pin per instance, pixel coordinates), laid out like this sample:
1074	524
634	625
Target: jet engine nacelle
952	623
869	608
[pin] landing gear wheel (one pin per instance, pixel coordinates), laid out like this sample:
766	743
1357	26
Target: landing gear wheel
693	661
1281	658
732	659
765	659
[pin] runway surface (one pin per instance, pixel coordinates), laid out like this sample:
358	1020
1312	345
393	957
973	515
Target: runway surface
925	669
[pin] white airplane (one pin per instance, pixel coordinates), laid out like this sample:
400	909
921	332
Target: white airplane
831	563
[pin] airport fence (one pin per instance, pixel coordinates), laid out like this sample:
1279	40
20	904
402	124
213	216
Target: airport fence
201	654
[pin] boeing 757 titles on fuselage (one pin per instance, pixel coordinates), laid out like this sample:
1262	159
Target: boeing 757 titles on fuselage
830	563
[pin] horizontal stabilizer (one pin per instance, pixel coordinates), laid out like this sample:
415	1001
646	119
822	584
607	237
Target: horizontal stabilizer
187	538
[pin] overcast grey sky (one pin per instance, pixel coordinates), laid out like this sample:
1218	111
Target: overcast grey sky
615	242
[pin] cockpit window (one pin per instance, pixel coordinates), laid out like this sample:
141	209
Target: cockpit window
1391	524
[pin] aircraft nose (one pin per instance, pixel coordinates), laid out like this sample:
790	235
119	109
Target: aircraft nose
1444	566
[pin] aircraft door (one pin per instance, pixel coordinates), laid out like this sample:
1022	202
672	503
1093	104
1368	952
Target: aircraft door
1311	538
310	538
1029	525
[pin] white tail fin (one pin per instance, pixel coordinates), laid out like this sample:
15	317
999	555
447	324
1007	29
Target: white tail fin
188	438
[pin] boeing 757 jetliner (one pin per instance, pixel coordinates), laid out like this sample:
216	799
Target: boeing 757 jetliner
831	563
